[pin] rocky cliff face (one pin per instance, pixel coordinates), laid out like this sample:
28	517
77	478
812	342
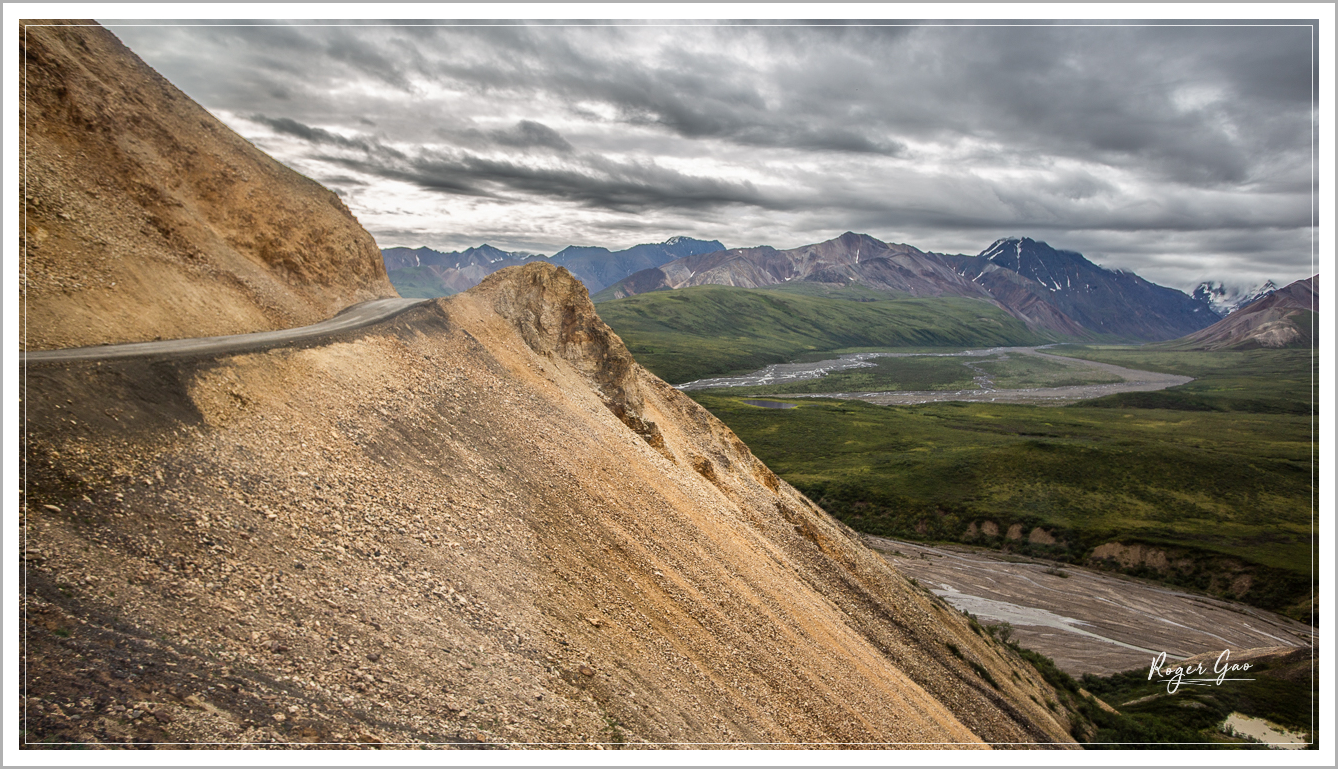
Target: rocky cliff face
479	522
145	217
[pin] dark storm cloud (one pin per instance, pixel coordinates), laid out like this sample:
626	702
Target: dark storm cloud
1110	90
528	133
961	129
314	135
589	180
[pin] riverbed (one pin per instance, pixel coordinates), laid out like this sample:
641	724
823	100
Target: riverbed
1134	380
1088	621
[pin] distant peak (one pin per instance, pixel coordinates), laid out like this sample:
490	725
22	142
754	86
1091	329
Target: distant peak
856	237
1002	247
1015	246
1225	297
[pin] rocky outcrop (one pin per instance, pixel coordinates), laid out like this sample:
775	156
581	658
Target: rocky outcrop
1215	574
439	529
1130	556
145	217
1040	536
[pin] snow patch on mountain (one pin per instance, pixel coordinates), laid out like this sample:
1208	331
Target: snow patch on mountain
1226	298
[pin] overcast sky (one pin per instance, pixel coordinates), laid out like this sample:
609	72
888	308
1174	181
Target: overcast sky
1181	152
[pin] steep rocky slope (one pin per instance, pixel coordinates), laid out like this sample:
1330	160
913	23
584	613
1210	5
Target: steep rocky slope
1277	320
145	217
481	521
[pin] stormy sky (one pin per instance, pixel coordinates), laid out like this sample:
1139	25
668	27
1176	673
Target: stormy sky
1182	152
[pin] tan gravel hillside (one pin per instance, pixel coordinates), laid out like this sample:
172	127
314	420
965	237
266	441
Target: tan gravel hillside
478	522
145	217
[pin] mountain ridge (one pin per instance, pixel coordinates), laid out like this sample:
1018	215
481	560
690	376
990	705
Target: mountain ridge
1054	291
1082	298
595	266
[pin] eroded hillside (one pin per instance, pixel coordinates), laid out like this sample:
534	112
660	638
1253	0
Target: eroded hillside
481	521
145	217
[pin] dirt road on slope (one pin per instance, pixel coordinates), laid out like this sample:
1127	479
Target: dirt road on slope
356	316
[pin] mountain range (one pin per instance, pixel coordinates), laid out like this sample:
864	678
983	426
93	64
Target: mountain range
1051	290
426	272
1281	318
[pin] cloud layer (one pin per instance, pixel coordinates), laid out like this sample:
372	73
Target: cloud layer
1178	151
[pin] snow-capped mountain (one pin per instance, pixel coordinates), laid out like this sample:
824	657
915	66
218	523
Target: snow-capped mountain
1226	299
1280	318
1064	291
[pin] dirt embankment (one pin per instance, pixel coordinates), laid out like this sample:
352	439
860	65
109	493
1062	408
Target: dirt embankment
478	522
145	217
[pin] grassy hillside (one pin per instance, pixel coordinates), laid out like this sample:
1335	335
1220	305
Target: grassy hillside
418	283
1222	484
855	292
706	331
1256	381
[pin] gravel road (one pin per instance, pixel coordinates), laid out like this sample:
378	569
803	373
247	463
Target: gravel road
356	316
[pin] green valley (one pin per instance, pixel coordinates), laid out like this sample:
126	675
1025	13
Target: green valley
1214	476
704	331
